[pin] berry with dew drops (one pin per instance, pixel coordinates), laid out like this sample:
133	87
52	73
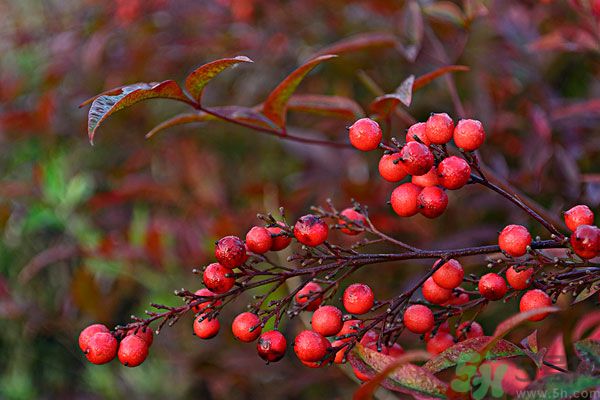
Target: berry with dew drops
365	134
416	158
450	275
578	215
206	328
429	179
439	128
453	173
306	293
585	241
216	278
469	134
418	318
358	298
514	240
418	130
271	346
534	299
432	202
246	327
230	252
434	293
310	346
492	286
280	239
327	320
357	220
520	279
390	168
87	333
259	240
404	199
311	230
133	350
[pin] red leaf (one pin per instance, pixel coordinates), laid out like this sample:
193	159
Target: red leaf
333	106
384	105
180	119
197	79
427	78
275	106
586	323
580	109
510	323
360	42
446	11
412	30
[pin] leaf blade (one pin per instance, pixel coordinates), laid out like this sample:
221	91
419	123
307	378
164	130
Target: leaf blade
197	80
180	119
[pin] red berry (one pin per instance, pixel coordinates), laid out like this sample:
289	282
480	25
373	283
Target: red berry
519	280
304	294
432	202
534	299
87	333
216	280
258	240
585	241
440	342
449	275
350	326
204	306
369	339
395	351
311	230
281	241
246	327
358	298
418	318
429	179
390	171
458	299
418	130
416	158
206	328
327	320
514	240
365	134
230	252
443	327
579	215
357	218
271	346
492	286
132	351
144	333
339	355
404	199
310	346
439	128
469	330
469	134
453	172
435	294
101	348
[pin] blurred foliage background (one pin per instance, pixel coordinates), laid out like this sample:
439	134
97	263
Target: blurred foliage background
96	233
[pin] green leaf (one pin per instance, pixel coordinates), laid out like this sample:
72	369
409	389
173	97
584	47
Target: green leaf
450	357
446	11
407	378
360	42
118	99
275	106
560	386
331	106
197	79
588	351
180	119
384	105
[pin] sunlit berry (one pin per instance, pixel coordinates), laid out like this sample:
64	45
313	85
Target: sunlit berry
246	327
215	278
450	275
404	199
230	252
311	230
358	298
418	318
453	172
133	350
259	240
357	219
492	286
519	280
310	291
514	240
469	134
432	201
365	134
439	128
534	299
416	158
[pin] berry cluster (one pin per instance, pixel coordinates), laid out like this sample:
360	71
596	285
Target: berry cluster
101	346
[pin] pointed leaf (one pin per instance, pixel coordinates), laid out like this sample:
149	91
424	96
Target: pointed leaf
554	354
332	106
559	386
507	325
586	323
276	104
407	378
118	99
585	294
427	78
197	79
588	351
446	11
411	37
384	105
359	42
180	119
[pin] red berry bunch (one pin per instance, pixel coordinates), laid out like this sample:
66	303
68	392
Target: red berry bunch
101	346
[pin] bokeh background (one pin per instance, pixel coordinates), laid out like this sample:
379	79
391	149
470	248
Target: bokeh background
97	233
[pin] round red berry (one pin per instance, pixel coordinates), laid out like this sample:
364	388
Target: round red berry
206	328
311	230
458	299
246	327
101	348
258	240
492	286
432	201
579	215
341	353
87	333
453	172
404	199
357	219
271	346
358	298
395	351
132	351
514	240
469	134
418	130
434	293
439	342
449	275
327	320
390	170
416	158
280	239
310	346
351	326
204	306
443	327
585	241
216	279
521	279
418	318
429	179
469	330
230	252
439	128
307	292
365	134
144	333
534	299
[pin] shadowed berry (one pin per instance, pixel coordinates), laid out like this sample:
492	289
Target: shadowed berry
242	327
443	327
395	351
144	333
434	293
101	348
357	218
432	202
585	241
469	134
132	351
458	299
258	240
279	242
429	179
469	330
271	346
216	280
303	295
578	215
204	305
358	298
534	299
389	170
339	355
404	199
310	346
418	318
492	286
439	128
519	280
514	240
327	320
230	252
453	172
418	130
365	134
87	333
450	275
311	230
440	342
349	327
416	158
206	328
